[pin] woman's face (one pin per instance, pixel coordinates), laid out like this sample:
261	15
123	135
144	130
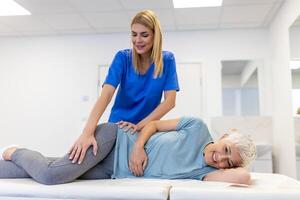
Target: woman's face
222	154
142	39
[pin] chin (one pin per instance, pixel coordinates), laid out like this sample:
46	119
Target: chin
140	52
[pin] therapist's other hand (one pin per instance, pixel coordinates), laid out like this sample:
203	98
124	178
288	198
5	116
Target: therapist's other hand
126	126
79	148
138	160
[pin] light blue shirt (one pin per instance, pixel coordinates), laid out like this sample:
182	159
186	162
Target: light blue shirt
171	155
138	94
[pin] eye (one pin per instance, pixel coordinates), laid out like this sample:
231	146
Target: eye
227	150
229	163
145	35
133	34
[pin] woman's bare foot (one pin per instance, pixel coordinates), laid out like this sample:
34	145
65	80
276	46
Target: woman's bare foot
8	152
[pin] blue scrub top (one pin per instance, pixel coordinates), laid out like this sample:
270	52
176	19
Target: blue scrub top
171	155
138	94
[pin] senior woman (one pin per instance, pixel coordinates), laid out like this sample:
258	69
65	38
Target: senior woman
168	149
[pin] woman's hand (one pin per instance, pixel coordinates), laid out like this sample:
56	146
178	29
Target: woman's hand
138	161
127	126
79	148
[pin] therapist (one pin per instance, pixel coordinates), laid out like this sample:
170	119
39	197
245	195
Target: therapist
143	74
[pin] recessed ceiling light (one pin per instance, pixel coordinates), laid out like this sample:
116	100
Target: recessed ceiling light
11	8
196	3
295	64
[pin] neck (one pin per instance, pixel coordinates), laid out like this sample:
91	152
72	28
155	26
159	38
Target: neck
146	57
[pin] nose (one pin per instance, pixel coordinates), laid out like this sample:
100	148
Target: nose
138	38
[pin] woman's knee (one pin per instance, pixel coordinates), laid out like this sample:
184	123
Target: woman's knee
106	132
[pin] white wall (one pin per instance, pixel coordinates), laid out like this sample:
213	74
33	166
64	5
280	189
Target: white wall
210	48
43	79
42	83
234	81
295	42
283	127
296	81
297	131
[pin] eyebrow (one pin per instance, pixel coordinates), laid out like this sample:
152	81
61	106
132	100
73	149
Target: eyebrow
141	32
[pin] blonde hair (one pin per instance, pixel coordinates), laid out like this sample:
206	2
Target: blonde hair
148	19
244	144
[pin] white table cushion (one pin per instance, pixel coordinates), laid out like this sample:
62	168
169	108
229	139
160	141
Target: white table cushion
87	189
264	187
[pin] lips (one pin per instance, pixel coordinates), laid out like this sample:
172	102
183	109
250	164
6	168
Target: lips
140	47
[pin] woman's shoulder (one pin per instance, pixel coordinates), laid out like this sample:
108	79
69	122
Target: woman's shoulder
191	121
168	55
124	53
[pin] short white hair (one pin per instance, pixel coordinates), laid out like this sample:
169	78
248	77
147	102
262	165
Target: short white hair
244	144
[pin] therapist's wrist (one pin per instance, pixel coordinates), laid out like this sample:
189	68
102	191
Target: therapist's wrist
88	131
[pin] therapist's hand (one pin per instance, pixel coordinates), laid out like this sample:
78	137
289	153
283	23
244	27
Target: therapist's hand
126	126
79	148
138	161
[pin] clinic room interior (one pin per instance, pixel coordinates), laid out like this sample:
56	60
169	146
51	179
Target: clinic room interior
238	66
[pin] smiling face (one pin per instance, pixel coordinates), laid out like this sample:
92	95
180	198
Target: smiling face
142	39
223	154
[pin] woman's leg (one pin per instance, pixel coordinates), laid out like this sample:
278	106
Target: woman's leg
103	170
9	169
63	170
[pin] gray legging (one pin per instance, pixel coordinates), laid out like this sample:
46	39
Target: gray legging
26	163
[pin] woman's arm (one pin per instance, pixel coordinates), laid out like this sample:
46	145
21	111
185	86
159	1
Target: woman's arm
153	127
138	159
233	175
86	139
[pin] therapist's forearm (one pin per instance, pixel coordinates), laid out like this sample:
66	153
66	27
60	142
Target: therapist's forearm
98	109
159	112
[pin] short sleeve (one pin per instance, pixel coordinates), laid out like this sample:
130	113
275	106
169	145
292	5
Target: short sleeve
171	76
116	70
196	127
189	122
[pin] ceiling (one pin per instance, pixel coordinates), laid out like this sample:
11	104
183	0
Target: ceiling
57	17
